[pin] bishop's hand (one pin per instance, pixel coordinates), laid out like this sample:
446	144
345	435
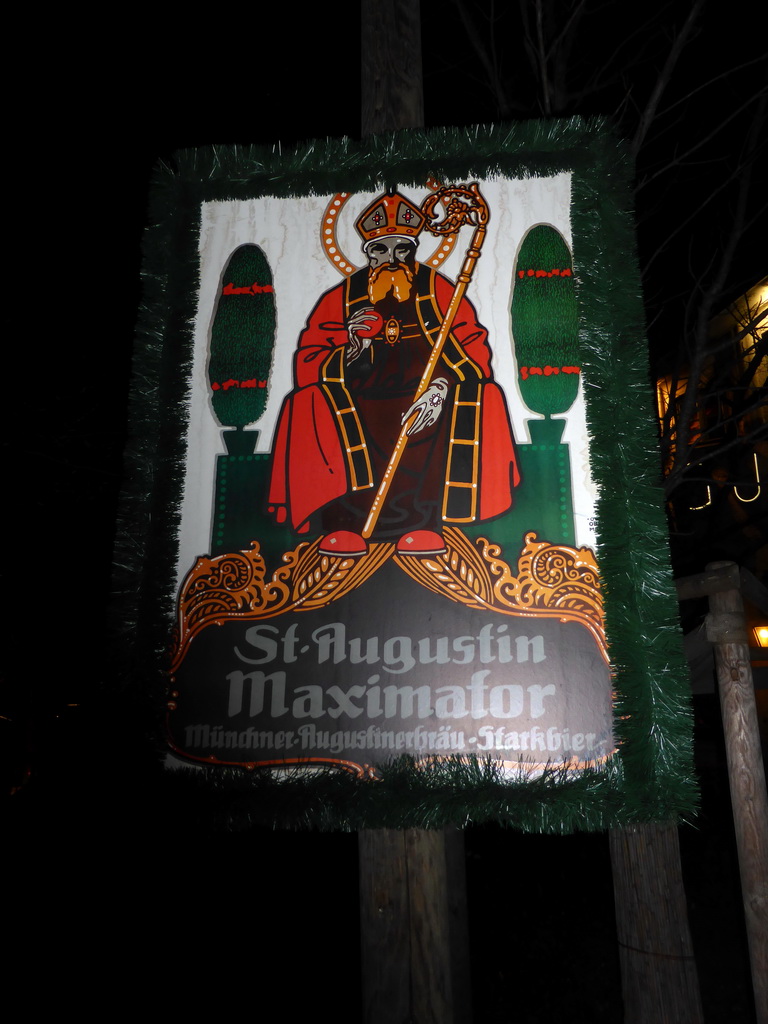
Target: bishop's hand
429	406
361	327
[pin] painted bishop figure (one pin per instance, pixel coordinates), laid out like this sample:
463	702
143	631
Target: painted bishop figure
357	368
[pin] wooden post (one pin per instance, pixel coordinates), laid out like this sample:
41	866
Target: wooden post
726	629
392	90
413	916
658	970
413	927
659	977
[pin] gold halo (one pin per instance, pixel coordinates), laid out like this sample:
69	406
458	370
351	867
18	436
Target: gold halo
335	255
328	240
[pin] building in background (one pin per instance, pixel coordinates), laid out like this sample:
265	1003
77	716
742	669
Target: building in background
718	498
713	415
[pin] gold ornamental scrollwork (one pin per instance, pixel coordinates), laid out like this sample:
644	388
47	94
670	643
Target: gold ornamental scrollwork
552	581
235	586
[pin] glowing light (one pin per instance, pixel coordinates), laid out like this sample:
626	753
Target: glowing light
707	502
757	481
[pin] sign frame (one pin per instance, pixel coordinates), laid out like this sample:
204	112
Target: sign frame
649	775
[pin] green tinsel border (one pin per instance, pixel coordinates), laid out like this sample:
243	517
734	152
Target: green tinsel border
652	776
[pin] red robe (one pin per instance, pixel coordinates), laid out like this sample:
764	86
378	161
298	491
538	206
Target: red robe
324	449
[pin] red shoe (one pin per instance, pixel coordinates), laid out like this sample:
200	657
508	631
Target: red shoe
343	544
421	542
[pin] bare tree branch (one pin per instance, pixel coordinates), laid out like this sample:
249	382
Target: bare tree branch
665	75
488	62
541	52
710	82
738	172
760	94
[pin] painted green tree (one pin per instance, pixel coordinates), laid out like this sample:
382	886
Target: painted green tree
545	322
242	339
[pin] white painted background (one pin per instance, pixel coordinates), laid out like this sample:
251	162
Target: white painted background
288	230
